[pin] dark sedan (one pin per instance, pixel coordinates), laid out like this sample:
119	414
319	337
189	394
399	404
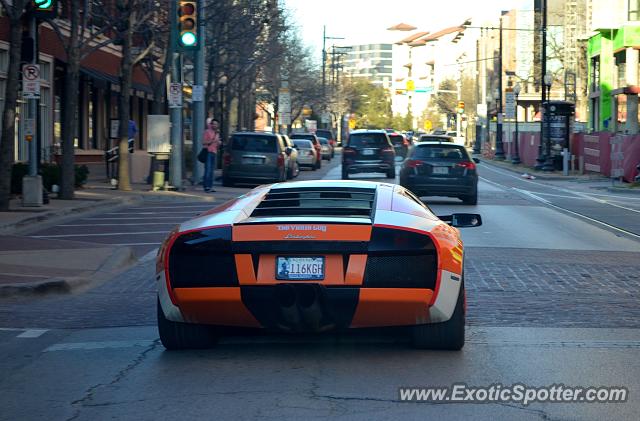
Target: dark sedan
441	169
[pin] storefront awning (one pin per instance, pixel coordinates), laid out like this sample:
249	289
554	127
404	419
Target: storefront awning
114	80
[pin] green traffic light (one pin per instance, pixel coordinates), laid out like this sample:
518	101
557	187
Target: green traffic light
43	4
188	39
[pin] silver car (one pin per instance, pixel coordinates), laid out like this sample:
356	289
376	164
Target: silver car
325	148
306	153
255	158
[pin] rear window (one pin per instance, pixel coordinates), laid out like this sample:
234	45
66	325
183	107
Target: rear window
302	136
302	144
323	141
324	133
440	152
396	139
368	140
427	138
264	144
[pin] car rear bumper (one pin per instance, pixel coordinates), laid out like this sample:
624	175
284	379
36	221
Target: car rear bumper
239	175
430	186
364	167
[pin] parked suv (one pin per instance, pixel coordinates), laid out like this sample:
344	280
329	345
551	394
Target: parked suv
252	157
441	169
368	151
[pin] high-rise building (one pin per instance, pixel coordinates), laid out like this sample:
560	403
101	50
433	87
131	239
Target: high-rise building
371	61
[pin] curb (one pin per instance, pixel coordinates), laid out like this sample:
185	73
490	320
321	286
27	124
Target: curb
120	259
624	190
538	174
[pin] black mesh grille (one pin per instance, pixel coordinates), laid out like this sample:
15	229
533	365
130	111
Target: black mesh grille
203	259
355	202
401	271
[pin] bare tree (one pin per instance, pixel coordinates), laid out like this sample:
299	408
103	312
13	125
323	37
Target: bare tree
85	33
130	21
14	11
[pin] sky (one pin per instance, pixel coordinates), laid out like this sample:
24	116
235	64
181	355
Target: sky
366	21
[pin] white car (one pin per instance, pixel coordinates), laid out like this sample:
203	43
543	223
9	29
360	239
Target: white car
458	140
306	153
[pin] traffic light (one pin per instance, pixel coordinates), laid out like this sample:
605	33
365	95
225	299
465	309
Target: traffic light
188	25
460	107
44	8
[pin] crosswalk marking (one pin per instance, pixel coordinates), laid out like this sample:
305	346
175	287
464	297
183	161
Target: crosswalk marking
32	333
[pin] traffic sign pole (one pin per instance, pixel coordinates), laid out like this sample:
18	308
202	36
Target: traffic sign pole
175	161
198	116
32	183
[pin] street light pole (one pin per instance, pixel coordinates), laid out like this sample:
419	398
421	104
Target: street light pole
516	157
548	163
543	97
499	146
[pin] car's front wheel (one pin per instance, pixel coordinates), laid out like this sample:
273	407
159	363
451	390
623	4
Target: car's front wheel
176	335
447	335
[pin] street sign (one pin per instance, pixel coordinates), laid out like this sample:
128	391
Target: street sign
428	125
411	85
284	100
285	119
197	95
175	95
31	81
510	104
325	118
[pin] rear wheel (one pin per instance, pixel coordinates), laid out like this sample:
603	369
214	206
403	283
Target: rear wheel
227	182
319	164
471	199
447	335
345	174
391	172
175	335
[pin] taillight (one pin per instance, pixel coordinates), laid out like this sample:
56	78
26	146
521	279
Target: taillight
280	160
348	151
387	150
405	142
412	163
227	159
467	164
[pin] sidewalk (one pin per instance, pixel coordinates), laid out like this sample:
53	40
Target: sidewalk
31	266
588	181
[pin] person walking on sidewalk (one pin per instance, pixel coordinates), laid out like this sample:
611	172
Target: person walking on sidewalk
211	141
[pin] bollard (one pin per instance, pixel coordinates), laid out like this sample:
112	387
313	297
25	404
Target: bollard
158	180
565	161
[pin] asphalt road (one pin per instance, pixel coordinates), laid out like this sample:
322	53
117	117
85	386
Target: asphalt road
552	298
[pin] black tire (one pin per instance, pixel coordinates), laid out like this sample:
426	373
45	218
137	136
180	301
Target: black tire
227	182
345	175
290	172
391	173
471	199
319	164
175	335
447	335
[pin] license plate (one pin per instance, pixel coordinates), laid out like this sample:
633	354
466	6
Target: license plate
368	152
255	161
299	268
440	170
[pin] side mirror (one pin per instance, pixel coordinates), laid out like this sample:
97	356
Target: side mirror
463	220
476	160
288	150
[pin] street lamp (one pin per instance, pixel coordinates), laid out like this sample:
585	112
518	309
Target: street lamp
516	157
548	163
499	146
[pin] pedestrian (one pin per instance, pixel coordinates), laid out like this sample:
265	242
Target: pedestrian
210	141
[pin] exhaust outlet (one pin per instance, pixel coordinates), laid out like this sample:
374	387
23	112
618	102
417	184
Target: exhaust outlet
286	296
309	304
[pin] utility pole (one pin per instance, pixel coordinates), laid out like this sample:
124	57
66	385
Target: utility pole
199	111
543	95
175	163
324	68
499	146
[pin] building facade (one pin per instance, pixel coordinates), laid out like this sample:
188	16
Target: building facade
371	61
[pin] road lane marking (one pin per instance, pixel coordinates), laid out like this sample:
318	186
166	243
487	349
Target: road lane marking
84	346
99	235
32	333
532	195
